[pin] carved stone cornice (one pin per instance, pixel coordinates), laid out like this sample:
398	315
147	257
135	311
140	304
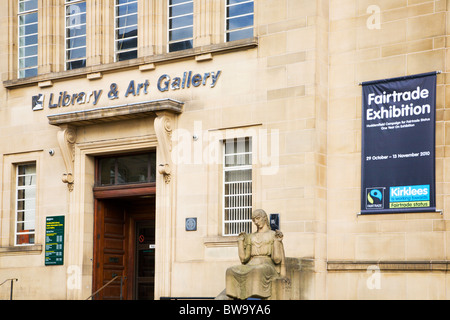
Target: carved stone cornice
163	130
164	111
67	137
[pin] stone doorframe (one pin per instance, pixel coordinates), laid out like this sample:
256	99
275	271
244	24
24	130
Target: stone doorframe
79	159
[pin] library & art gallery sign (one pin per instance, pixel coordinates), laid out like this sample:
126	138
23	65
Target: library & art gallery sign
398	145
165	83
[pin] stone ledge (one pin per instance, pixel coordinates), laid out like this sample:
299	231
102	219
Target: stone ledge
141	62
15	250
436	265
116	113
220	241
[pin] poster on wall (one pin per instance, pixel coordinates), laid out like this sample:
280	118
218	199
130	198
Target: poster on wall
54	241
398	145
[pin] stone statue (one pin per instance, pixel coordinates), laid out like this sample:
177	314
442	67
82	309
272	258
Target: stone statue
262	257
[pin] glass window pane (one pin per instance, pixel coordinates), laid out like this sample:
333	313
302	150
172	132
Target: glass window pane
172	2
76	42
25	239
28	62
76	31
127	21
181	21
133	169
28	51
182	45
240	22
76	9
238	35
126	32
76	53
244	8
25	73
28	18
179	34
76	64
76	20
126	44
107	171
181	9
28	40
27	5
126	9
124	1
127	55
128	169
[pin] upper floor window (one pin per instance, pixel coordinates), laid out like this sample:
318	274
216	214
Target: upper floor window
126	26
181	22
239	19
237	179
25	204
75	34
28	38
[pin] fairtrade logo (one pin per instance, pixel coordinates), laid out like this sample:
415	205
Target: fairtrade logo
375	198
375	193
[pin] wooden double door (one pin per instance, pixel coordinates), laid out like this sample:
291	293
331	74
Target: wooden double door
124	247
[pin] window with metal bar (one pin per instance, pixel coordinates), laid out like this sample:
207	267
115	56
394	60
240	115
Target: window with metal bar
28	38
239	19
237	189
181	22
75	34
126	29
25	204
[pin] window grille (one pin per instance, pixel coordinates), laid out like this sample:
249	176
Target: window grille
75	34
28	38
126	28
181	22
237	193
25	204
239	19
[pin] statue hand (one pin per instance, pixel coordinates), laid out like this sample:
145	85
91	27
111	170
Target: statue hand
278	235
241	236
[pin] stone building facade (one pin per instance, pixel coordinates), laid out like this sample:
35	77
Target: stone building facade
155	127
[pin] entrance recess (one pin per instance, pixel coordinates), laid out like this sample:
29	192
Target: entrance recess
124	229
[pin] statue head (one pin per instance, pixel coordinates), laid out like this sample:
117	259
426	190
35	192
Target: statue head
260	213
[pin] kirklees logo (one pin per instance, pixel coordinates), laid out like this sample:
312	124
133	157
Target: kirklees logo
375	198
409	196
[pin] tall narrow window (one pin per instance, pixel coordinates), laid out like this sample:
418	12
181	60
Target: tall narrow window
181	21
28	38
239	20
126	38
237	177
75	34
25	204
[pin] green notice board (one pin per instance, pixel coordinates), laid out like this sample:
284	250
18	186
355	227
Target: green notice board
54	241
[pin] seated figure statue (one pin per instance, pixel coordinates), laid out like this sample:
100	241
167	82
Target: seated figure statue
262	257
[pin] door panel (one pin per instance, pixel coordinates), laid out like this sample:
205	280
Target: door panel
111	253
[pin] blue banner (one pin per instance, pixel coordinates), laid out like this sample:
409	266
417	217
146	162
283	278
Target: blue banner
398	145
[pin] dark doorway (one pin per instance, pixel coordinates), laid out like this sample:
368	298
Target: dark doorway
145	260
124	246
